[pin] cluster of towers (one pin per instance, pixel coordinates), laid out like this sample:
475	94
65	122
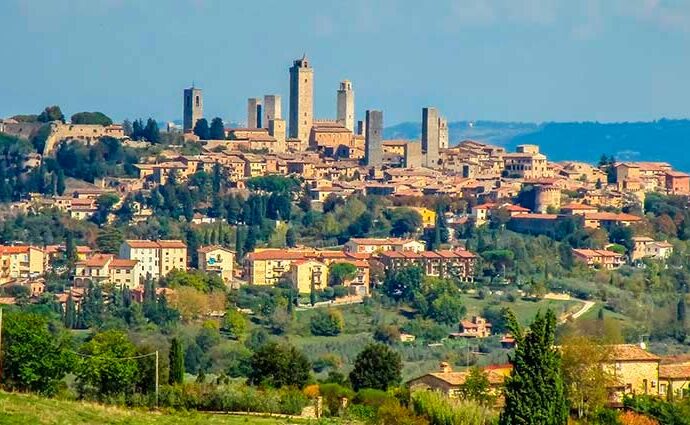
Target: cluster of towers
267	114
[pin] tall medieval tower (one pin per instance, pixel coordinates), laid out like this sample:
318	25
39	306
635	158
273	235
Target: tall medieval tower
193	108
345	113
301	99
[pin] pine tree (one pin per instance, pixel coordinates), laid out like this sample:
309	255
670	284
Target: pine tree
534	391
176	356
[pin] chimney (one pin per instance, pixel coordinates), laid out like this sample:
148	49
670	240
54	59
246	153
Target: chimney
445	367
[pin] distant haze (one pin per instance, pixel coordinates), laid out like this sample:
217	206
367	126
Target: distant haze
663	140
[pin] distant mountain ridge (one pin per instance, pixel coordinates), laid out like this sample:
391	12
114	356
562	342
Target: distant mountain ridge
663	140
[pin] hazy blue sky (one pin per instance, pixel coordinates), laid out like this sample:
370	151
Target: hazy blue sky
536	60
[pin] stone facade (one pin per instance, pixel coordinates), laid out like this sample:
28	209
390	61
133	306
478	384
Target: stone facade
253	112
373	141
430	137
346	105
193	108
301	99
272	109
276	128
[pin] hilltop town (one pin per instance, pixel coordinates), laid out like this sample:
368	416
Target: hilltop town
320	233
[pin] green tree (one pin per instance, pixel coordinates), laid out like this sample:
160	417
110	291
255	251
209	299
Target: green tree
377	366
477	387
104	205
327	322
108	367
277	365
60	182
151	131
109	239
534	391
290	238
51	113
403	283
217	129
176	359
339	273
235	323
95	118
447	309
34	358
404	221
201	129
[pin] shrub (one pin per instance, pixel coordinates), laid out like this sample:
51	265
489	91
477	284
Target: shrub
440	410
371	397
327	322
332	394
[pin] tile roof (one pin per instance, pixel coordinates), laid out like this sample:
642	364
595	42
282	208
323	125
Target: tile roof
674	371
632	352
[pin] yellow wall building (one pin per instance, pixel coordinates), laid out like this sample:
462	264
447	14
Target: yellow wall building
305	273
217	260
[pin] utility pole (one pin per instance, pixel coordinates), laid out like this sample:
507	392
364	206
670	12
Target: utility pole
156	371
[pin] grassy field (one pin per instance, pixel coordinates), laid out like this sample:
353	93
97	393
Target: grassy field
21	409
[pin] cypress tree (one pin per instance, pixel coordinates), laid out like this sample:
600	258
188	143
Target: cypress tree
534	391
70	314
290	238
176	356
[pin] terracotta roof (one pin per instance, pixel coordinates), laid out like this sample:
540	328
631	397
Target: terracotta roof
575	206
123	263
16	249
276	254
209	248
608	216
595	253
632	352
674	371
535	217
384	241
98	260
143	243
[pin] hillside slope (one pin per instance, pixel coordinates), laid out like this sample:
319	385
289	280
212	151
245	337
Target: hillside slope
662	140
21	409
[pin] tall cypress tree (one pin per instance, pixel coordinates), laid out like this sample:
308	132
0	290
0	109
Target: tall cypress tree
534	391
176	356
70	314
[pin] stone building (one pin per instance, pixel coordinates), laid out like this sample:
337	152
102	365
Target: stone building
193	108
430	136
346	106
277	130
449	382
443	133
217	260
254	113
301	99
272	109
373	155
444	264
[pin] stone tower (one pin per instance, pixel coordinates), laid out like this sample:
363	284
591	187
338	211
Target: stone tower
253	112
271	108
301	99
346	106
442	133
193	108
276	128
430	137
373	145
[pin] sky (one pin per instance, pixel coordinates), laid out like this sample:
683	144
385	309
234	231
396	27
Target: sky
508	60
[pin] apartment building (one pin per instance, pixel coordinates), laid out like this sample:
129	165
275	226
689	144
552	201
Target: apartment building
155	258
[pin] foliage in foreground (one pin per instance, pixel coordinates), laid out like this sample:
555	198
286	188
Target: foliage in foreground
441	410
